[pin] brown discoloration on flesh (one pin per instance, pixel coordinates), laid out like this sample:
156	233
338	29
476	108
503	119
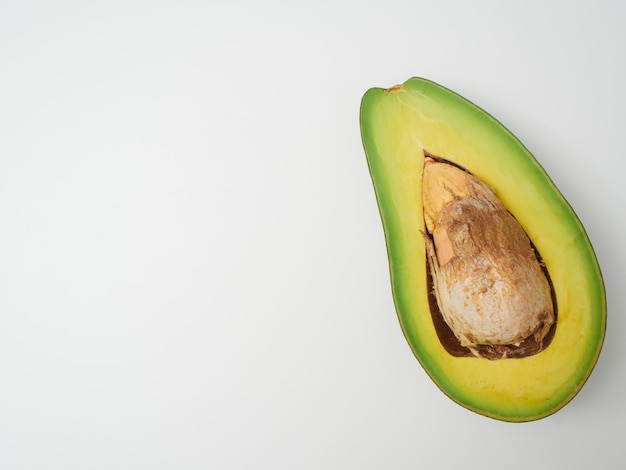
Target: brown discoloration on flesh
492	297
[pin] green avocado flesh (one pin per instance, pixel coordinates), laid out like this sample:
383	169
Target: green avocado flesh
402	125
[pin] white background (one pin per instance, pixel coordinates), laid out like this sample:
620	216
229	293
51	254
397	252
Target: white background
192	265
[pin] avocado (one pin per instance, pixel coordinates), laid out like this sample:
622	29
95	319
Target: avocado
495	282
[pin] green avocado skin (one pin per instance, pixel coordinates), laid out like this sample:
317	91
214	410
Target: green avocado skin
397	126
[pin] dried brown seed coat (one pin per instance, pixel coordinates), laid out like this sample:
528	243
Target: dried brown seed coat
489	284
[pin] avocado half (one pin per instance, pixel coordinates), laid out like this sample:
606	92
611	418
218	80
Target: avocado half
406	124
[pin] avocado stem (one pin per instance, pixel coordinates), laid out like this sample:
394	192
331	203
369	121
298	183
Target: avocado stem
393	89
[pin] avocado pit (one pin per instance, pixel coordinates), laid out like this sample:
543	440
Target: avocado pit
491	294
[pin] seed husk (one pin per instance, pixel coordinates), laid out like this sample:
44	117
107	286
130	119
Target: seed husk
490	287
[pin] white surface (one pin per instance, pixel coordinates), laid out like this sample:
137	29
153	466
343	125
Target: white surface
192	265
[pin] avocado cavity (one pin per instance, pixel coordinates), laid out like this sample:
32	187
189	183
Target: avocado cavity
486	277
